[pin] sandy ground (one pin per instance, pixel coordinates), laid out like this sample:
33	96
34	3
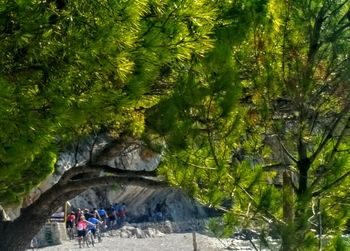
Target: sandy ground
170	242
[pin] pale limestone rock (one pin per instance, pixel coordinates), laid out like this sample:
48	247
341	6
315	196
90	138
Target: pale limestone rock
3	215
51	234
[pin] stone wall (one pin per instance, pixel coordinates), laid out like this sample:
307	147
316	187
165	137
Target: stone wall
51	234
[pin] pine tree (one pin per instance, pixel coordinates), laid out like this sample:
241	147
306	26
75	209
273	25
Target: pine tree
261	130
70	68
63	62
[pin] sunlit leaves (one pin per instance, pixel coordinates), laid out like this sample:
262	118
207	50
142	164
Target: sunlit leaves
69	68
282	89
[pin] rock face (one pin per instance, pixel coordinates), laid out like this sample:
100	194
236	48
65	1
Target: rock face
141	202
132	157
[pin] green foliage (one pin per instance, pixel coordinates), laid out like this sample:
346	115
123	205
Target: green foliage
69	68
338	243
265	115
217	228
250	97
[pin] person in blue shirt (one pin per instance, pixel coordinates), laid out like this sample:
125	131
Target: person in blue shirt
102	212
112	218
104	217
121	214
93	219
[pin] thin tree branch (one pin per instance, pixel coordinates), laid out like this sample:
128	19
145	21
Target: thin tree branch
76	150
345	17
340	138
92	147
211	144
330	133
63	191
315	34
265	211
330	185
113	180
344	150
286	151
91	169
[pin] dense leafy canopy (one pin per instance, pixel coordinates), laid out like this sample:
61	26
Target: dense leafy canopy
250	96
268	136
69	67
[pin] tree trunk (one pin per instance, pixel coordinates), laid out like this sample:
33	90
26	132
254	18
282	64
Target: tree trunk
288	212
288	198
16	235
303	177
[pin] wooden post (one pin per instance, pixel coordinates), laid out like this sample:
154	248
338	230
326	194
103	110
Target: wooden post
194	241
65	211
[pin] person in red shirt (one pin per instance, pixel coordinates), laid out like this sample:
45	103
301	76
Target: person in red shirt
78	213
70	221
82	229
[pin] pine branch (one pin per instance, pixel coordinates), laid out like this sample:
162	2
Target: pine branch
70	188
334	151
286	151
330	133
92	147
315	34
194	165
330	185
211	144
345	17
273	167
96	169
340	138
138	180
265	211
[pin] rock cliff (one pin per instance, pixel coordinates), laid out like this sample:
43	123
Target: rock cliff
140	201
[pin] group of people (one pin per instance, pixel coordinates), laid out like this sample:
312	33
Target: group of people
89	220
161	211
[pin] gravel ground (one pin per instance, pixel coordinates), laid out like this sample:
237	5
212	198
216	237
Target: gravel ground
170	242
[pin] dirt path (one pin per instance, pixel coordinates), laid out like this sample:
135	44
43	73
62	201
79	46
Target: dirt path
170	242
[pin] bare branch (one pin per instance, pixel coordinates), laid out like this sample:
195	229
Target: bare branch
340	138
76	150
334	151
96	169
92	147
265	211
211	144
330	185
345	17
344	150
330	133
113	180
286	151
315	34
121	172
274	167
